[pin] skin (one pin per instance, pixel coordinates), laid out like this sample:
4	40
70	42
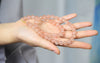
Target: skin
19	32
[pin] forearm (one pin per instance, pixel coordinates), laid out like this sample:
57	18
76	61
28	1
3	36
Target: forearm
7	33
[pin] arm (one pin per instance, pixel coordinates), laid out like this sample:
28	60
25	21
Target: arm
7	33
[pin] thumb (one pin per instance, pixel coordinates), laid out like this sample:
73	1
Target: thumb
48	45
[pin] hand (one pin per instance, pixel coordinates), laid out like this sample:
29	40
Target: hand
27	35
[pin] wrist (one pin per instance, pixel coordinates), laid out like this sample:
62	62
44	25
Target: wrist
8	33
15	28
12	32
18	29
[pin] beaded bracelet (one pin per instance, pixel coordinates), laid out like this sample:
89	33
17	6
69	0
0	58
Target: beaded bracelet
54	20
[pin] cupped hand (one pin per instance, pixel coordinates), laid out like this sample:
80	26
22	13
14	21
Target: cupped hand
30	37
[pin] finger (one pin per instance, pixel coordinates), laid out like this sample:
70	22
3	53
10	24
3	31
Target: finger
81	34
70	16
78	25
82	25
87	33
78	44
75	44
48	45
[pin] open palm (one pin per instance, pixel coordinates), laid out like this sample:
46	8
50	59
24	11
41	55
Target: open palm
29	36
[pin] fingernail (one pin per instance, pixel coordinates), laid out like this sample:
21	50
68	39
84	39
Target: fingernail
55	52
